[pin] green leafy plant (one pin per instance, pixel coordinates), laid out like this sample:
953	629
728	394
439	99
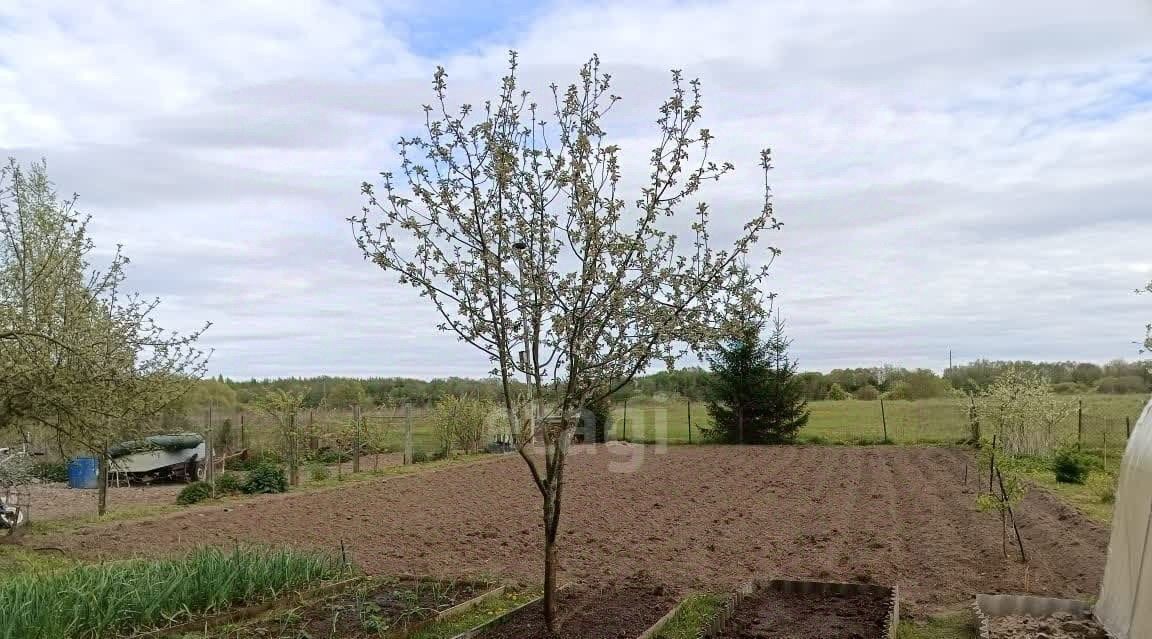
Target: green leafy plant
1071	466
319	472
265	478
420	457
1103	486
195	492
118	598
50	471
228	484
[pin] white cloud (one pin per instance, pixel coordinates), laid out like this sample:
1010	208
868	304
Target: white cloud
966	175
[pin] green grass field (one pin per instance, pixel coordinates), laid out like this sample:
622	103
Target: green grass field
667	421
851	421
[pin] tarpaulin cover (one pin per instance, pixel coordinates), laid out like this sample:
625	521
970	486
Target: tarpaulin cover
1125	604
178	441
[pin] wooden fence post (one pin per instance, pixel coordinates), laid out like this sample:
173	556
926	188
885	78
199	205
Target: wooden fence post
1080	425
689	421
243	433
884	419
1127	428
407	433
625	438
356	444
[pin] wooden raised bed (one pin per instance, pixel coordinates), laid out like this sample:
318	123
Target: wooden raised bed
323	595
890	595
584	595
284	602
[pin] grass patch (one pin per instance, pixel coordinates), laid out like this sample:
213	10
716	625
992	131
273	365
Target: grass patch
956	626
1084	497
693	617
110	599
71	524
18	560
485	612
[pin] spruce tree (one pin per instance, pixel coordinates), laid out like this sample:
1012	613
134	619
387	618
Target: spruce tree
787	402
754	394
738	389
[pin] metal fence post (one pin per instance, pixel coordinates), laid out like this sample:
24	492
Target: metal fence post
243	432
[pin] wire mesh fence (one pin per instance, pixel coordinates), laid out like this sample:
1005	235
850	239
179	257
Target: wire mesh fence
1096	424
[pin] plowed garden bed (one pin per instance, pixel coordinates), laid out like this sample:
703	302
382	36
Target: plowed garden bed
691	517
623	610
377	607
772	614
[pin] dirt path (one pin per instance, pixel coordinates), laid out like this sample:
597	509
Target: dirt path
692	517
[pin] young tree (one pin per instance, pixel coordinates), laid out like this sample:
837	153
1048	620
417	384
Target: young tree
283	406
754	394
787	405
78	355
1023	413
518	233
738	392
1148	328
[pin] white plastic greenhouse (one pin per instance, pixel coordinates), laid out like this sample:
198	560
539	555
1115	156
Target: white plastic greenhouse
1125	604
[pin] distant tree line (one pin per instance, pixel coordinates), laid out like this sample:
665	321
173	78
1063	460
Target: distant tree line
889	382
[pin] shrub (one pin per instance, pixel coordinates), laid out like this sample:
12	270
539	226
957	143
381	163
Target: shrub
867	392
331	456
228	484
50	471
253	460
319	472
194	493
837	393
1103	486
265	478
1071	466
419	457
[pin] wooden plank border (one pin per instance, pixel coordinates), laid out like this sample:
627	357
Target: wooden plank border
289	600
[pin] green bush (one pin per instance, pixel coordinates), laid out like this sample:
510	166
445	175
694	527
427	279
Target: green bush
319	472
1103	485
228	484
265	478
419	457
331	456
194	493
253	460
1071	466
50	471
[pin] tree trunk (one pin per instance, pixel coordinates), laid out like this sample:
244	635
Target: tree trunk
102	484
551	520
740	424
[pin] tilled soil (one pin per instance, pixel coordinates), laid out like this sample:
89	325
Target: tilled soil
377	608
1059	626
623	610
58	501
690	516
771	614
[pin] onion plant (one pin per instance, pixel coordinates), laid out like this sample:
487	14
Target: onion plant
118	598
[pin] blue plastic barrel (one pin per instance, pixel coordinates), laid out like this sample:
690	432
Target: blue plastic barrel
83	472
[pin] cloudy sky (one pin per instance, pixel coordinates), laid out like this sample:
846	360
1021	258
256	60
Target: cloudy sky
969	174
